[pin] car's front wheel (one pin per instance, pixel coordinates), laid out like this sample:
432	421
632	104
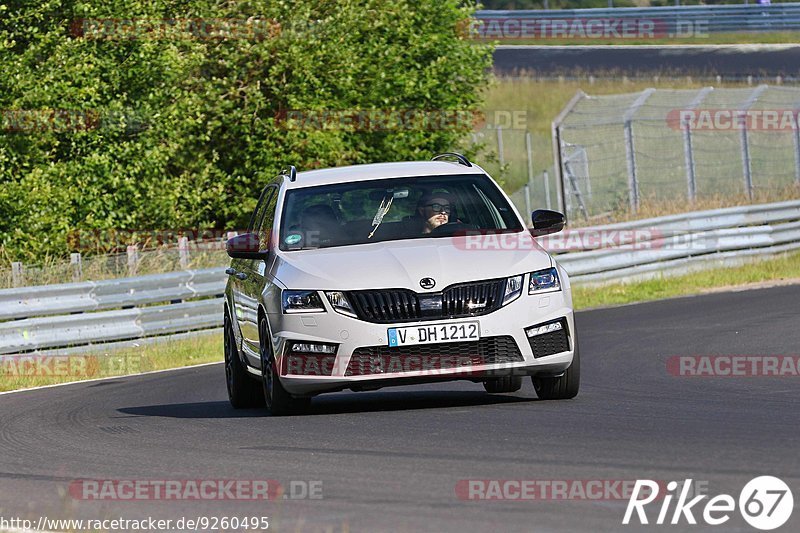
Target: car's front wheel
243	391
279	402
562	387
504	384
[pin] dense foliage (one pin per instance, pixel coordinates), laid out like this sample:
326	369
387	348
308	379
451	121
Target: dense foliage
166	131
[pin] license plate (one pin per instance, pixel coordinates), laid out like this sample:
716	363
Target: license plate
433	333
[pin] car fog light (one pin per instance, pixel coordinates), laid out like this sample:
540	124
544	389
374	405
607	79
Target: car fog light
547	328
312	347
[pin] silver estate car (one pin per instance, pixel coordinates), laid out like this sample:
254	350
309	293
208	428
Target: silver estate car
368	276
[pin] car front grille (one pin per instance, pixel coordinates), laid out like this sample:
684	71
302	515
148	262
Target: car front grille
550	343
403	305
371	360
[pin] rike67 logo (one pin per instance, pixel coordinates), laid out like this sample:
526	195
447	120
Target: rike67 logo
765	503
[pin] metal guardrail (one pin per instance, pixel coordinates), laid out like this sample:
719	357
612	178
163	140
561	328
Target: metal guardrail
87	296
52	316
681	243
674	20
46	317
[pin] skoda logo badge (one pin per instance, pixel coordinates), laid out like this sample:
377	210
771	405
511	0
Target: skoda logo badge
427	283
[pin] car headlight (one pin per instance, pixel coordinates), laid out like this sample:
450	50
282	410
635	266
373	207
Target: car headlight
340	303
513	289
544	281
301	302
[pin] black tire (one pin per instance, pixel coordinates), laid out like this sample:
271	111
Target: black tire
563	387
504	384
244	392
278	401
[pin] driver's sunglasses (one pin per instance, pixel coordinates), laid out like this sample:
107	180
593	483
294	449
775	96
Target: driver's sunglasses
439	208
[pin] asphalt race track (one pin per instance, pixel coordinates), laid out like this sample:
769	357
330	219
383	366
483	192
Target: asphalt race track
738	61
390	460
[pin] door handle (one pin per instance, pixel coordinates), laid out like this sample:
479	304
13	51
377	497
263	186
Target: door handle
241	275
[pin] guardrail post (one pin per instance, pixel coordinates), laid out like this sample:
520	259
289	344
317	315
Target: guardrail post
688	150
183	251
747	169
630	152
133	259
77	266
16	274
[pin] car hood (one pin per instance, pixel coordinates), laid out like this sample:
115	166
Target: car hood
402	264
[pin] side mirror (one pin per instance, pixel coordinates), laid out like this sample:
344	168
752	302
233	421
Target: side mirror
546	222
245	246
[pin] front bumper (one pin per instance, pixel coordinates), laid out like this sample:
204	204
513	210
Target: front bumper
354	335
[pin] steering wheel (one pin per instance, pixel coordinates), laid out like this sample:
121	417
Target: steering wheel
451	228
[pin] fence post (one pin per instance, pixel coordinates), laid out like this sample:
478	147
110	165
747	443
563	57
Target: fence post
527	190
529	150
547	189
796	138
500	156
16	274
183	252
555	132
77	266
630	153
747	169
133	259
688	151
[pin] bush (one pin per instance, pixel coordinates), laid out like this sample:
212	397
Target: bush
182	132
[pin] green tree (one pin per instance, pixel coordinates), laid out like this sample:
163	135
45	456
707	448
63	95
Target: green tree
183	129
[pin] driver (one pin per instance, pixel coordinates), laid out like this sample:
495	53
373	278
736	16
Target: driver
434	209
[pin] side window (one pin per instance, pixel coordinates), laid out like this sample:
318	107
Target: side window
266	216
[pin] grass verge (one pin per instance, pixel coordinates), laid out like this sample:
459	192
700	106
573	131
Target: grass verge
36	370
782	268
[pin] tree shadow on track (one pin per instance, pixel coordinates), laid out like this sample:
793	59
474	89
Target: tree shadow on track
338	403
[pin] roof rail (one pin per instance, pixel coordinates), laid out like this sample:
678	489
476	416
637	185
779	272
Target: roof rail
291	173
461	159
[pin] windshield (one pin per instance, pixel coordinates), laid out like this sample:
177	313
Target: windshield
393	209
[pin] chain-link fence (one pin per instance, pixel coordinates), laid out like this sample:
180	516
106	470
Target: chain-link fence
508	155
619	153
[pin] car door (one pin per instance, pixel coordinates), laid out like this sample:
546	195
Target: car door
254	273
238	272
